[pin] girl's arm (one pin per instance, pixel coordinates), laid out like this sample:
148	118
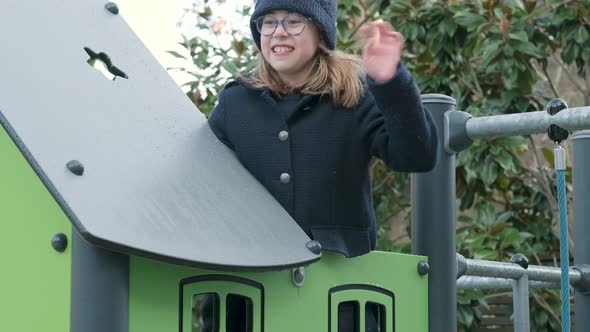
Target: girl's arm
217	121
398	129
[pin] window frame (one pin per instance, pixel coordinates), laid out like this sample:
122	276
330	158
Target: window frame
222	285
361	294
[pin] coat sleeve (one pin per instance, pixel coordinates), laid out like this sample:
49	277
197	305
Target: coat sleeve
217	121
397	129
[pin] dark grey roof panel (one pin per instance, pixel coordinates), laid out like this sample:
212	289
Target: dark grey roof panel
156	181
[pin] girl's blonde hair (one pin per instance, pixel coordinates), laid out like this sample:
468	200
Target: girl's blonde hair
332	73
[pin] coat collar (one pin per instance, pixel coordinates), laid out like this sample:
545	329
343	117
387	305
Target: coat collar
307	103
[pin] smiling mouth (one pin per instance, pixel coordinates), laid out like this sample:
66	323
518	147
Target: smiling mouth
282	49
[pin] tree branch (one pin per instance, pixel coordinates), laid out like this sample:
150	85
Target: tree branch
543	304
550	82
476	81
543	179
573	79
365	20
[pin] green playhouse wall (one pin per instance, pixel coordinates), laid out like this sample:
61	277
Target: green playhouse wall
156	295
35	282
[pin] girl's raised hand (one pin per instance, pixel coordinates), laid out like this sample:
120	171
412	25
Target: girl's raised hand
382	50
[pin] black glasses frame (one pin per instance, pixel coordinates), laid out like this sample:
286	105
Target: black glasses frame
282	23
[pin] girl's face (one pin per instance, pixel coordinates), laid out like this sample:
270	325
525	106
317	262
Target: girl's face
289	54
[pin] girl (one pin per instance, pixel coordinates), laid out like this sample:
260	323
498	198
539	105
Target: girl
306	123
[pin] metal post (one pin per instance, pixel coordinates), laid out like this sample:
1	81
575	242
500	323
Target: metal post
100	288
520	303
433	224
581	179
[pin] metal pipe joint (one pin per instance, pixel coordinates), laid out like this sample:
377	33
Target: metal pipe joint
583	284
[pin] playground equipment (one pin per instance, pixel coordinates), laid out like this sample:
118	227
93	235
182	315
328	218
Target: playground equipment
433	205
121	209
122	212
518	275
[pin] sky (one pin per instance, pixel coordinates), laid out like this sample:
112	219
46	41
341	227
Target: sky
156	24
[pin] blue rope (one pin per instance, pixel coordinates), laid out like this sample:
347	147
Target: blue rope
564	252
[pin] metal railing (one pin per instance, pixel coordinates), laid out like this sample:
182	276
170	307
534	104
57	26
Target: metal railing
434	213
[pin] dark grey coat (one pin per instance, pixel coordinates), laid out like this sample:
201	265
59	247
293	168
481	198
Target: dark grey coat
314	160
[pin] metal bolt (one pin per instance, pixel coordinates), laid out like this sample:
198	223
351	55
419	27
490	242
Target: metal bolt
112	8
75	167
59	242
298	276
423	268
314	246
556	133
285	178
521	260
283	136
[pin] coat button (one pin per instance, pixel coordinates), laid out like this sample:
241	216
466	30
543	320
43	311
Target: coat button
283	135
285	178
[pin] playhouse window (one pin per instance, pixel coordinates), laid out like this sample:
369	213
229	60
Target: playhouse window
348	316
375	317
361	308
223	304
239	313
205	309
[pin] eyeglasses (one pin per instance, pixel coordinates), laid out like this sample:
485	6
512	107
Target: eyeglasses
294	24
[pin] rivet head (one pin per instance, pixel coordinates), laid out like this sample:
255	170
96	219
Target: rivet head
112	8
298	276
423	268
75	167
521	260
314	246
285	178
59	242
555	105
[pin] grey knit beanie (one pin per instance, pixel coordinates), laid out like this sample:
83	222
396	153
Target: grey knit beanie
323	12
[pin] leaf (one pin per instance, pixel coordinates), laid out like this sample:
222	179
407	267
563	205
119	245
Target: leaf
491	52
467	200
176	54
489	172
510	237
520	35
449	27
541	318
581	35
498	228
486	214
569	53
513	142
485	254
465	316
504	216
528	48
230	67
464	218
469	20
505	160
